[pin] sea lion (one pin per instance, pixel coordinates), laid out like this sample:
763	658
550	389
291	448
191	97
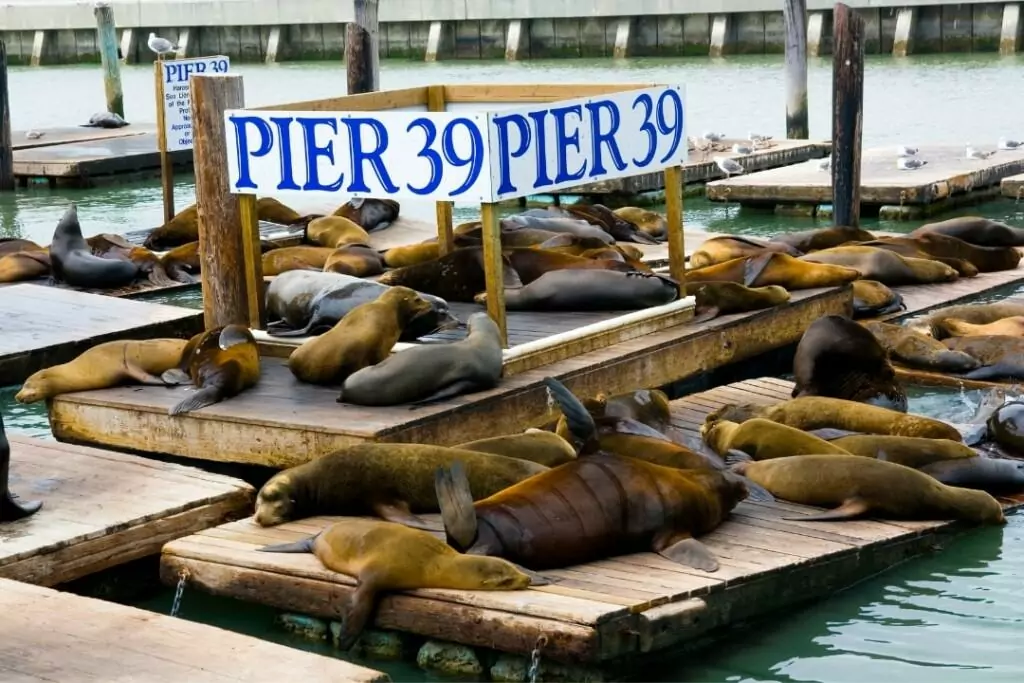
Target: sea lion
818	412
335	231
535	445
577	246
872	298
647	406
651	223
383	556
838	358
24	265
909	248
150	265
356	260
11	508
1004	327
184	225
715	250
12	245
431	372
721	298
72	261
105	119
591	290
764	439
919	350
884	266
983	232
182	263
364	337
904	450
554	224
370	214
1006	426
860	486
271	210
390	480
985	259
999	357
223	362
979	314
295	258
411	254
290	295
106	365
456	276
775	269
603	217
530	263
823	238
994	475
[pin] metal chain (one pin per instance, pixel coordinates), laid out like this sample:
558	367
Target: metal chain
535	659
176	604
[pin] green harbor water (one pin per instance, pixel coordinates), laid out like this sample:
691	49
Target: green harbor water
944	618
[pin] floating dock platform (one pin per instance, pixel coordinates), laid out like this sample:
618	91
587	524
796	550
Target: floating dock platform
102	509
948	180
44	326
45	137
1013	187
282	422
602	614
49	635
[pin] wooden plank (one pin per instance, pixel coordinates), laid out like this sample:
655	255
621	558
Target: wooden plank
76	134
48	635
77	161
1013	186
524	93
373	101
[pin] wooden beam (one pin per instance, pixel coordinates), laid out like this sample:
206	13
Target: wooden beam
514	38
794	14
128	46
6	144
533	93
372	101
815	32
493	268
362	49
166	164
674	219
106	39
847	113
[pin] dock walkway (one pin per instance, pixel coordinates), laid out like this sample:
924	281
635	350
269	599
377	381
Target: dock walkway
47	635
620	608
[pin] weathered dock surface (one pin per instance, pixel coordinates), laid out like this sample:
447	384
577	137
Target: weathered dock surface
102	509
44	326
75	134
922	298
616	609
1013	186
49	635
282	422
947	178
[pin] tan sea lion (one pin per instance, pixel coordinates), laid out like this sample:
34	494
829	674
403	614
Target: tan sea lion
909	248
999	357
615	253
650	222
223	362
590	290
12	245
576	245
983	232
411	254
904	450
182	263
391	480
335	231
105	365
271	210
184	225
1004	327
530	263
295	258
370	214
775	269
715	250
860	486
886	267
364	337
383	556
535	445
919	350
722	298
985	259
24	265
356	260
872	298
838	358
978	314
822	238
456	276
764	439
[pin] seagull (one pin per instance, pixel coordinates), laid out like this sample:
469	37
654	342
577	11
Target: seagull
161	46
904	151
728	166
712	136
756	138
34	134
1005	143
909	163
972	153
740	148
825	164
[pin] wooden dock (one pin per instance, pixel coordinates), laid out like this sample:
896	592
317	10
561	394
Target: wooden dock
948	180
75	134
102	509
48	635
1013	187
282	422
44	326
600	613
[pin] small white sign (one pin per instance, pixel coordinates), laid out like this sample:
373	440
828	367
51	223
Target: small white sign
177	98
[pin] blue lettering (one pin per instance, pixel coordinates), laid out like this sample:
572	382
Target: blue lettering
647	127
564	141
200	67
358	184
505	155
475	160
541	154
242	146
675	129
314	152
428	153
285	155
599	138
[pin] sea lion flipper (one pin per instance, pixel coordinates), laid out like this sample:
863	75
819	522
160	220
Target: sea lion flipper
175	376
690	552
303	546
360	605
850	509
141	376
754	266
536	579
737	460
579	421
705	313
12	509
831	433
455	499
756	492
206	396
398	512
453	389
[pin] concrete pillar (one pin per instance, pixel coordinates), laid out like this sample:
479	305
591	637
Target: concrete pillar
128	46
183	36
433	41
622	31
902	44
719	34
514	39
38	44
273	44
815	31
1009	38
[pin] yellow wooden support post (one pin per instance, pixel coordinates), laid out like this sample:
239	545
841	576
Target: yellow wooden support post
253	255
445	237
166	167
493	270
674	217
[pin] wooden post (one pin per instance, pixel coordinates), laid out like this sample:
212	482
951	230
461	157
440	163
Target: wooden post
443	210
794	14
106	38
6	145
493	268
232	273
166	167
847	97
674	217
362	49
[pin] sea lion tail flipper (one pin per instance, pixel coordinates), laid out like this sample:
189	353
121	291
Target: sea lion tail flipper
455	499
303	546
453	389
756	492
754	266
536	579
206	396
737	460
687	551
579	421
300	332
141	376
357	615
175	376
850	509
831	433
705	313
398	512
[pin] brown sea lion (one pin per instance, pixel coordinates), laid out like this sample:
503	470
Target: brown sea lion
335	231
105	365
919	350
724	248
112	246
651	223
370	214
383	556
391	480
223	362
775	269
411	254
581	228
270	210
1004	327
530	263
535	445
838	358
182	263
763	439
12	245
722	298
364	337
859	486
999	357
822	238
456	276
884	266
872	298
985	259
619	228
574	244
909	248
646	406
1006	426
590	290
983	232
356	260
24	265
904	450
979	314
818	412
295	258
184	225
72	261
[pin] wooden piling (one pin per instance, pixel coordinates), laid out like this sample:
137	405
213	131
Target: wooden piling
6	145
232	283
106	39
362	49
493	268
674	218
166	164
794	14
847	113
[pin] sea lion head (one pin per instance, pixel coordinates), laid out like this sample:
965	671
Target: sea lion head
735	412
407	301
980	507
481	572
36	388
1006	425
276	503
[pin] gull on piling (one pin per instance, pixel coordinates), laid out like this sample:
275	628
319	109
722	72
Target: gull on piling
729	166
1006	143
972	153
712	136
161	46
909	163
904	151
740	148
756	137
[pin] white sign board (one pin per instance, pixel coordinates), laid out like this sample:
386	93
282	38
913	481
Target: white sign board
453	156
177	99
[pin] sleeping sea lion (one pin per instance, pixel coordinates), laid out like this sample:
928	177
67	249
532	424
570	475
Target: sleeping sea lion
871	298
554	224
999	357
431	372
411	254
364	337
335	231
182	263
1004	327
106	365
370	214
909	248
651	223
150	265
72	261
184	225
775	269
919	350
535	445
724	248
11	245
271	210
622	230
886	267
24	265
383	556
391	480
838	358
577	246
985	259
904	450
822	238
356	260
290	295
859	486
763	439
223	362
1006	426
11	507
994	475
722	298
590	290
983	232
530	263
648	407
979	314
456	276
295	258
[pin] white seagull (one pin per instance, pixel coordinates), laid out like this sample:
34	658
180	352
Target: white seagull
904	151
825	164
161	46
35	134
713	136
909	163
1006	143
756	138
972	153
729	166
740	148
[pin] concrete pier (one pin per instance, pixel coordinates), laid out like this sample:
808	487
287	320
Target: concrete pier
40	32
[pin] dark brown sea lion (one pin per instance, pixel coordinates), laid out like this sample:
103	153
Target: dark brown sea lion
223	362
722	298
106	365
859	486
724	248
591	290
909	248
978	314
411	254
763	439
983	232
530	263
391	480
999	357
73	262
270	210
182	263
1004	327
370	214
839	358
871	298
919	350
646	406
383	556
884	266
24	265
904	450
822	238
651	223
994	475
335	231
11	507
356	260
295	258
535	445
456	276
985	259
12	245
619	228
1006	426
775	269
364	337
